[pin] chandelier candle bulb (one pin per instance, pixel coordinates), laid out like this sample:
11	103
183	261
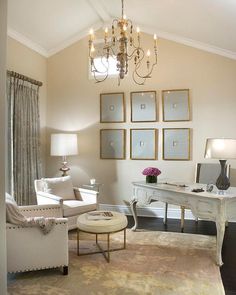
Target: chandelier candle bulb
155	40
106	35
91	33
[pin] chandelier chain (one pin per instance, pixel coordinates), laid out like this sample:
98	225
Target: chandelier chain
122	9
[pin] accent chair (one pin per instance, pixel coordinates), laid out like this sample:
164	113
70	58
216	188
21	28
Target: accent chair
28	248
73	201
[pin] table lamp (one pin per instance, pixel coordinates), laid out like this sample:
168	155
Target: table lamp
222	149
64	144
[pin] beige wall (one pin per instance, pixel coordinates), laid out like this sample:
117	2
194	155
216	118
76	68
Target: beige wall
73	105
3	41
25	61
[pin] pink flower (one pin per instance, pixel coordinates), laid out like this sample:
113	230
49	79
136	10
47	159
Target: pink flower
151	171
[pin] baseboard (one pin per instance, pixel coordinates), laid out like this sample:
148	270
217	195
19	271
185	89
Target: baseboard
174	213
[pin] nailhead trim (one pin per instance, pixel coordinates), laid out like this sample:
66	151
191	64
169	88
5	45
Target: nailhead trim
21	226
41	209
31	269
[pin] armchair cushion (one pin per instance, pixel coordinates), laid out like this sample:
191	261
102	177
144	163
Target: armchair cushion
75	207
60	186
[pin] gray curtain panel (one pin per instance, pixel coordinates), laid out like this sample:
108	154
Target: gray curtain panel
24	163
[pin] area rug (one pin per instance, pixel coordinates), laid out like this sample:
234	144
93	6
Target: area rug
154	263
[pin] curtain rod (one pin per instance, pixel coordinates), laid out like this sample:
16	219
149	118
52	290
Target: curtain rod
24	78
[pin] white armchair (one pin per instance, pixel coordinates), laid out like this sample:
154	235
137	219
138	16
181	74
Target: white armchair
73	201
29	249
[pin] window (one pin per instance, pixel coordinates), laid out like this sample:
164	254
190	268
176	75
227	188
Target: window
101	64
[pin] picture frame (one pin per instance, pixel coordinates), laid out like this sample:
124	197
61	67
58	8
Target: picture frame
143	106
112	107
112	144
176	144
175	105
143	144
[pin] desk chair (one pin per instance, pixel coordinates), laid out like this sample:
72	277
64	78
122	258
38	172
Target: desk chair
205	173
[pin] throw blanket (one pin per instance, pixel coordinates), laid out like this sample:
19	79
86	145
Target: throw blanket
14	216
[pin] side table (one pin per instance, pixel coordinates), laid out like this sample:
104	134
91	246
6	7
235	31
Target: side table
95	186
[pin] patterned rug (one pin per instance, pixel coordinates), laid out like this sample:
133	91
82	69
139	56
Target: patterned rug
154	263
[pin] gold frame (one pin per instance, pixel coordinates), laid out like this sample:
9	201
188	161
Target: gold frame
155	141
163	144
123	147
123	103
163	114
131	106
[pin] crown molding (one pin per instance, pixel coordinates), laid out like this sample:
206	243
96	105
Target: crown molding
190	42
74	39
149	30
27	42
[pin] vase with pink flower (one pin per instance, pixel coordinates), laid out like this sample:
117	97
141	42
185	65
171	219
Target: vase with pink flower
151	174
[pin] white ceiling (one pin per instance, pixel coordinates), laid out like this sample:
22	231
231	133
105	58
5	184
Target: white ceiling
48	26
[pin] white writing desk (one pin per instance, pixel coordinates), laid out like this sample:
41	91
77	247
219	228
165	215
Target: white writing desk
205	205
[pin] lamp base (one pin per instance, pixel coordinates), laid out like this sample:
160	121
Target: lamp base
64	167
222	182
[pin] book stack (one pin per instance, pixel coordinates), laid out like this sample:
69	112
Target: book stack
99	215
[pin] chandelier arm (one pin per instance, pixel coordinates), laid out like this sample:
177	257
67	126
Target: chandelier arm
135	50
99	80
105	66
96	70
136	81
115	20
148	75
151	70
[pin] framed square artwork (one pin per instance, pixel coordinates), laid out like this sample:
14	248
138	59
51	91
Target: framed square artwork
143	144
176	144
175	105
112	143
112	107
143	106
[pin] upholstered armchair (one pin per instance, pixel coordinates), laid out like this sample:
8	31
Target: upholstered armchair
28	248
73	201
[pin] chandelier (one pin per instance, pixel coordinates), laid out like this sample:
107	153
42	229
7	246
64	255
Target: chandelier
122	45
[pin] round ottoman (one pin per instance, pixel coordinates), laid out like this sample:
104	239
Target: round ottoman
102	222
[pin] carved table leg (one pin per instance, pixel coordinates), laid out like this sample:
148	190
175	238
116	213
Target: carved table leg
220	226
165	216
133	204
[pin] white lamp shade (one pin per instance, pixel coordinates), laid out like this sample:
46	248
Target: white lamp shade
64	144
220	148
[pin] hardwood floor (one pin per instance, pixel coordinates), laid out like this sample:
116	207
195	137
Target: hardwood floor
228	270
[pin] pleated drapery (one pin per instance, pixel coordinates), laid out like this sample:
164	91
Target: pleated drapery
24	163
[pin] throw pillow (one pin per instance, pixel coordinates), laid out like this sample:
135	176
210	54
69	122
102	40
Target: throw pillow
60	186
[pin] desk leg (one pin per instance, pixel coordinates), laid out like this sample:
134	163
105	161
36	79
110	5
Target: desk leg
133	204
165	217
220	227
182	218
